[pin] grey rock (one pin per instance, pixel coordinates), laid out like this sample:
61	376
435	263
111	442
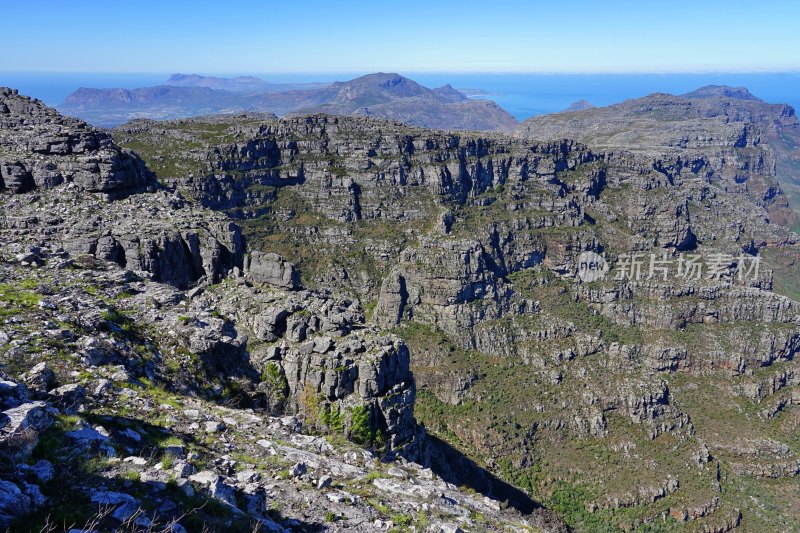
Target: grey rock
175	450
214	426
68	398
16	502
88	434
299	469
204	478
33	415
12	394
42	470
183	469
271	269
39	378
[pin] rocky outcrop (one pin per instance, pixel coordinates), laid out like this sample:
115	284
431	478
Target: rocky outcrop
471	246
313	352
271	269
152	234
724	133
40	149
149	232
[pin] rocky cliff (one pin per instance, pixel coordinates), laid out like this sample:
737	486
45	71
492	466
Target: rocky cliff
41	149
172	380
602	325
649	396
714	126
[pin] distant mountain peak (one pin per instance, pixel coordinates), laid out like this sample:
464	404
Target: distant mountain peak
382	87
183	77
238	84
722	91
379	77
380	94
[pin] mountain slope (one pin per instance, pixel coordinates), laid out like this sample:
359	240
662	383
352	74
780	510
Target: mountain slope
638	400
382	95
394	97
702	124
156	375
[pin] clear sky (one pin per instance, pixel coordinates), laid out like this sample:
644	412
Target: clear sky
236	36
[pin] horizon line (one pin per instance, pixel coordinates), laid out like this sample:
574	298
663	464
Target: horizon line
793	70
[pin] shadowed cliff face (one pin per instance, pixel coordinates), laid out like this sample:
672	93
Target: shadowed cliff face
616	400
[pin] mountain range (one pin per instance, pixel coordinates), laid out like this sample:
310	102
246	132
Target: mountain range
327	322
380	95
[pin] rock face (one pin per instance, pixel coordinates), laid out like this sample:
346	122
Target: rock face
153	403
271	269
319	355
41	149
444	278
471	247
149	232
725	130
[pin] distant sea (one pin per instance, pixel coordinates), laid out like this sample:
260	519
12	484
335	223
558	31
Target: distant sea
522	95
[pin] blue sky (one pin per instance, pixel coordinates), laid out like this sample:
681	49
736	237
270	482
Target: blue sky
410	35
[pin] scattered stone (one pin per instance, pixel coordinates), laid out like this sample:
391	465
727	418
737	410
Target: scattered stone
68	398
299	469
40	378
214	427
33	415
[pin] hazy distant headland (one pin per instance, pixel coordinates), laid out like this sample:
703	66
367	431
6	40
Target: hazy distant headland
523	95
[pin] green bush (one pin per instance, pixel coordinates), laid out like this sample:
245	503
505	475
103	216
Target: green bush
333	418
361	431
274	377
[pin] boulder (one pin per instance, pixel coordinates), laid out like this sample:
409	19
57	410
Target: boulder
39	378
16	501
271	269
32	415
68	398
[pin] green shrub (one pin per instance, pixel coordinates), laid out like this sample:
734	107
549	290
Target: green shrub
361	431
274	377
403	520
332	417
167	461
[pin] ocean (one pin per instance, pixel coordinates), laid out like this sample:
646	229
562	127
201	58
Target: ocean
522	95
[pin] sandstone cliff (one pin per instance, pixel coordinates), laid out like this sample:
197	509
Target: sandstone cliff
173	381
469	246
